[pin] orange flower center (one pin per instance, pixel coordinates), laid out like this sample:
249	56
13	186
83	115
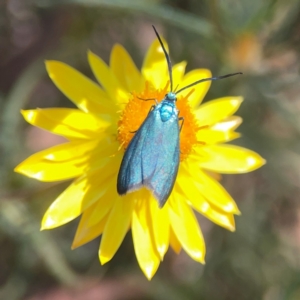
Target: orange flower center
136	111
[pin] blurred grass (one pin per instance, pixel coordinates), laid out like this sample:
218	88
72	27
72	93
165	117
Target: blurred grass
152	8
260	38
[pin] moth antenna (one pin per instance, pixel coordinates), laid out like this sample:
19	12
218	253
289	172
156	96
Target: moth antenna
176	88
167	58
208	79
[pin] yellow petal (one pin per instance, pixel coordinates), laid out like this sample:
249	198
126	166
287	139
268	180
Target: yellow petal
116	228
67	151
178	73
144	246
213	191
174	243
161	227
125	70
191	193
221	218
186	228
107	79
209	136
229	159
200	90
46	170
155	67
78	197
86	233
217	110
70	123
82	91
44	166
104	203
36	166
230	123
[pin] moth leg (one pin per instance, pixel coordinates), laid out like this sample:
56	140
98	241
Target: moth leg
149	99
151	108
182	121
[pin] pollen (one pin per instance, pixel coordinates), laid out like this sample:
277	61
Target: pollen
137	109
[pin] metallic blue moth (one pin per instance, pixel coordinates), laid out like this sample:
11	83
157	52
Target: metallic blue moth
152	156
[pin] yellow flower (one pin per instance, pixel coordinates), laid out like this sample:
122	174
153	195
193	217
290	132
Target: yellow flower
99	131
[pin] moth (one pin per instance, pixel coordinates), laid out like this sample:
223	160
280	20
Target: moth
153	155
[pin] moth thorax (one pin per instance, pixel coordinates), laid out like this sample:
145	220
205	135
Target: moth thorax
167	110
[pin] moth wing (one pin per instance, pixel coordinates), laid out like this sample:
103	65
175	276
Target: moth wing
151	158
160	158
130	177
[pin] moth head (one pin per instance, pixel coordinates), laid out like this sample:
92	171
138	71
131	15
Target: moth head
171	97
